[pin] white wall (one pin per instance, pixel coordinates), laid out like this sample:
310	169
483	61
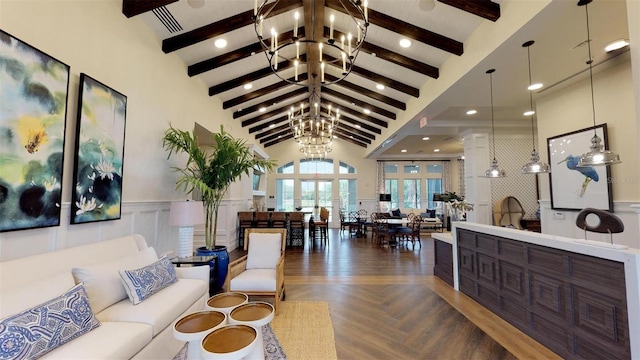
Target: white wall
95	38
569	109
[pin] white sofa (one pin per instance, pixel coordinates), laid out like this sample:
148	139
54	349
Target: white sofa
142	331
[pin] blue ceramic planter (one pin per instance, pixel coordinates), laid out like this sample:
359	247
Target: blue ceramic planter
222	262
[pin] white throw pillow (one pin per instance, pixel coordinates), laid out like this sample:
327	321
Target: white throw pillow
264	250
144	282
102	281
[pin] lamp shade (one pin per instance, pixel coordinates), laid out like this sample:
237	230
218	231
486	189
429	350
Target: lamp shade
186	213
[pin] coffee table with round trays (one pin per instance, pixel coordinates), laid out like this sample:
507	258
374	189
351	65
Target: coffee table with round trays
231	342
257	314
193	327
226	301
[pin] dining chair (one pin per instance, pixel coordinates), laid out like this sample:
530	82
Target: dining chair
354	223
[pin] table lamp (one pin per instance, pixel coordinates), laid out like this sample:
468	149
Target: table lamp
186	214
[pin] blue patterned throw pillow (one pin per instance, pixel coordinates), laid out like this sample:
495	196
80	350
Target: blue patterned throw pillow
144	282
36	331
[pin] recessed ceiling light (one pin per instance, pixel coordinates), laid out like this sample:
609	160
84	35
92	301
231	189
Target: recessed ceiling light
405	43
357	126
425	138
380	87
472	112
263	109
366	111
272	125
220	43
535	86
248	86
350	136
335	136
436	150
403	150
529	113
618	44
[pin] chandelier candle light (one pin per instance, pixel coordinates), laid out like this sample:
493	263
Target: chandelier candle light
597	154
284	52
534	166
313	130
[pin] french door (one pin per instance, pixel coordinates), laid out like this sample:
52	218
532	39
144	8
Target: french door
316	194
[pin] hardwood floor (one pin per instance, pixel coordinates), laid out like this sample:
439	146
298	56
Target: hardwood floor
385	303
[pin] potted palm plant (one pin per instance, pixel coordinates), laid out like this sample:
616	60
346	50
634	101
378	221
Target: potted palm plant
211	172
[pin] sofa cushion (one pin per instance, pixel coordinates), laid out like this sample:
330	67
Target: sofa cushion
395	212
36	331
102	281
264	250
161	309
141	283
15	300
112	340
254	280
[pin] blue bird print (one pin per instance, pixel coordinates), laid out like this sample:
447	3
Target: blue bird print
588	172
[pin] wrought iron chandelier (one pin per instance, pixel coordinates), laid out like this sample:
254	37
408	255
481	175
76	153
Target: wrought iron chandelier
328	58
313	128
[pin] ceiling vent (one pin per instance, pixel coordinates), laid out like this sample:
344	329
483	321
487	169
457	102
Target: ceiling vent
166	18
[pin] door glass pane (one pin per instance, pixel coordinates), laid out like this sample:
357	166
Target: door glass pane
308	194
324	195
284	194
434	186
411	192
348	195
391	187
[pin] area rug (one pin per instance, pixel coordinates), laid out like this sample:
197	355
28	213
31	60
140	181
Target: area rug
272	348
305	331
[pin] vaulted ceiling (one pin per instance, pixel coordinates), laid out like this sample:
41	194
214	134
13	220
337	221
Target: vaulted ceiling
190	28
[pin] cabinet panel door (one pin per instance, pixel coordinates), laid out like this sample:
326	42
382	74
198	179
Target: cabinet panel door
466	262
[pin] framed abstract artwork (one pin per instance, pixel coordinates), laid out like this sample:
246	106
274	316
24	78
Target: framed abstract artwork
33	107
99	153
573	187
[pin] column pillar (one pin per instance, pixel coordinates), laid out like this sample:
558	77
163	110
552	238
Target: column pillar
478	188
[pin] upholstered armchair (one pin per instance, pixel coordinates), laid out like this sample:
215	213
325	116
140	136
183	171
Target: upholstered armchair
261	271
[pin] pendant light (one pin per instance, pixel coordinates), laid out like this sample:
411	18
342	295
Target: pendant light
494	171
534	166
597	155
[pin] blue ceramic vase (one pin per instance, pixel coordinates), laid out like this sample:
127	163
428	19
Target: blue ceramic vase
222	262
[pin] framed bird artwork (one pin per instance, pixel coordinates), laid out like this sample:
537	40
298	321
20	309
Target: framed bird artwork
574	187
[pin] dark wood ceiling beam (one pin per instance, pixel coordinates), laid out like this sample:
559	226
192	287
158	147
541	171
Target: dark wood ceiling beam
258	74
352	135
269	102
360	103
275	136
348	139
274	130
360	115
265	116
369	93
283	138
136	7
260	92
393	57
353	130
348	120
233	56
409	30
483	8
223	26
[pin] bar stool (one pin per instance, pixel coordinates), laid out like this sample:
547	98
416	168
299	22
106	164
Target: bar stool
278	219
296	228
263	219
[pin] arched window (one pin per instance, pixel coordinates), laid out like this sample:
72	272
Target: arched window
286	168
346	168
324	166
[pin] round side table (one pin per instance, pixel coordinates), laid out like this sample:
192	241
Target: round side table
226	301
257	314
193	327
230	342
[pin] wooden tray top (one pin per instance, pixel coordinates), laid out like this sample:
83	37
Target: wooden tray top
251	311
200	321
227	300
229	338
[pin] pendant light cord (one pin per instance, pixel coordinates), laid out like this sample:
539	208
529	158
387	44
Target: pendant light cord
533	135
493	129
590	62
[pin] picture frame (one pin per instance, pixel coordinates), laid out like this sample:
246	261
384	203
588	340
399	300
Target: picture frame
575	188
99	153
33	114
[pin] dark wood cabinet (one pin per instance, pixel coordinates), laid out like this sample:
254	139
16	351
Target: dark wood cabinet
443	256
572	303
